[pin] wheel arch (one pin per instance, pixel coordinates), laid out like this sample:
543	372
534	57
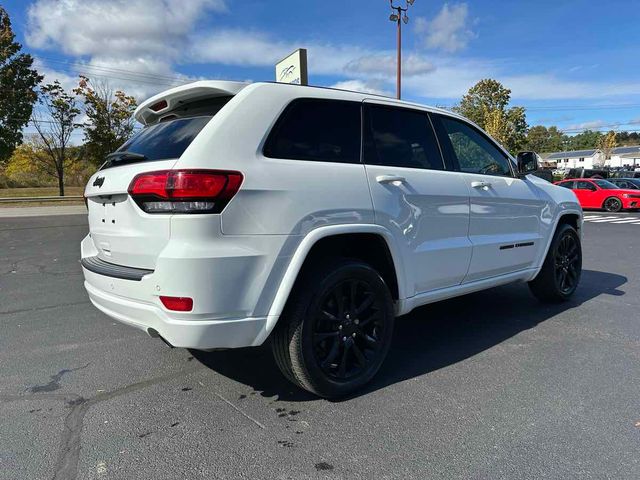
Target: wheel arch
569	217
342	239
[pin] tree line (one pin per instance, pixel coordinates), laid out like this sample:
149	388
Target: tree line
104	116
487	104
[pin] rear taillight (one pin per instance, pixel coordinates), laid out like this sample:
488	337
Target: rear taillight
184	191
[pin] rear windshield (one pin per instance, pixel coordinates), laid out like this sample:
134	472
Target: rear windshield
165	140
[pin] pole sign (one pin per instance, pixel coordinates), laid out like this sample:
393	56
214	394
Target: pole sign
293	69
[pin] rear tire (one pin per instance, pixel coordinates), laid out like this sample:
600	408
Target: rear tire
560	273
336	329
612	204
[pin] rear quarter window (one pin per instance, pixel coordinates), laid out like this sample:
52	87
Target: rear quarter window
317	130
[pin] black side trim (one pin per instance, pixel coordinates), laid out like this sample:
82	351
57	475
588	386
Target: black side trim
517	245
96	265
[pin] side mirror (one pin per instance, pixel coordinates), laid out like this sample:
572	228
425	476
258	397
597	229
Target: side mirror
527	163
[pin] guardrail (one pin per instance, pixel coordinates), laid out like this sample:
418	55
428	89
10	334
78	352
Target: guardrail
41	199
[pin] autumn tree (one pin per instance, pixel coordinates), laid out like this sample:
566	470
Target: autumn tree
18	82
54	132
109	118
606	144
487	104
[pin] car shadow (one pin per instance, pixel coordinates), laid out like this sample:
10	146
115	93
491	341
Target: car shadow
429	338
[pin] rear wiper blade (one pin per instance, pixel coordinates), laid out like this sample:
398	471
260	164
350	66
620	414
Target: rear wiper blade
125	155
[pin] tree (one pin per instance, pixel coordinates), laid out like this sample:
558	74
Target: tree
541	139
54	132
18	82
109	118
587	140
606	144
486	104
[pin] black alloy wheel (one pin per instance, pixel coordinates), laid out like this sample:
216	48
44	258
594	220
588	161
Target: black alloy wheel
612	204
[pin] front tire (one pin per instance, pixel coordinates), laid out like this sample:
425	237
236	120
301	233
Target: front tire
336	329
560	274
612	204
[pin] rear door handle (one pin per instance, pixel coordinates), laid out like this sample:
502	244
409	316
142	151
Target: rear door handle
483	185
390	179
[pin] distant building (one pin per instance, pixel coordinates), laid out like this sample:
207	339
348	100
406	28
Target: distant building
620	157
574	159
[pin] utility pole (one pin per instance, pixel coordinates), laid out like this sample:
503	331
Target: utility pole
399	15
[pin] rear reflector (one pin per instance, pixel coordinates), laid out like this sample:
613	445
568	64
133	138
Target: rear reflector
177	304
185	191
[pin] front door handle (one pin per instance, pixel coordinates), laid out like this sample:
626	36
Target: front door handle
483	185
390	179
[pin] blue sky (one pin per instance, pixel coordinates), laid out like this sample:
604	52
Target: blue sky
570	62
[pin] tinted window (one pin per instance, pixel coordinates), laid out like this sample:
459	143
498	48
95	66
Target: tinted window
321	130
166	140
566	185
474	152
400	138
585	186
605	184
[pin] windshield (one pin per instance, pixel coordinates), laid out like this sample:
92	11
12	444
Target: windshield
606	185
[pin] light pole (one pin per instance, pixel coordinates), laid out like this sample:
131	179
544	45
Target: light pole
399	15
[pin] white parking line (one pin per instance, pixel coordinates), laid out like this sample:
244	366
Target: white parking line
628	220
605	219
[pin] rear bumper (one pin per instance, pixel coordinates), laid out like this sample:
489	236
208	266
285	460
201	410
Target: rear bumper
230	280
199	334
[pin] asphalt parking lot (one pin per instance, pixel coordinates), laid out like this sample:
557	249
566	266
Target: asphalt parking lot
489	386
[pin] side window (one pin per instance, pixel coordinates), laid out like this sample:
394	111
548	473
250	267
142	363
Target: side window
568	185
585	186
474	152
399	137
319	130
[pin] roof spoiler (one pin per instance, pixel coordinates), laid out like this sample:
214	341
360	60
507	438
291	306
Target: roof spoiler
151	110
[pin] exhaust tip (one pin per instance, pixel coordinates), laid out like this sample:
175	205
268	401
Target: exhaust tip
153	333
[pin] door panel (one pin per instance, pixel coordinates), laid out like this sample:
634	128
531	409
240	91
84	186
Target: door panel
425	207
504	227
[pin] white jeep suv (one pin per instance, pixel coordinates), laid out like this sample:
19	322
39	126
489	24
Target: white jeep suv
313	217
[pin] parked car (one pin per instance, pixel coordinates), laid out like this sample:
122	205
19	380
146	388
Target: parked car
627	183
312	217
602	194
586	173
626	174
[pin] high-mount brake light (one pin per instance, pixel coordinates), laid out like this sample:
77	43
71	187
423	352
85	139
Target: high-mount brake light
185	191
161	105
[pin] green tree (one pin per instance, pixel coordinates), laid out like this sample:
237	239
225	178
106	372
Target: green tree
54	132
544	140
110	119
487	104
586	140
18	82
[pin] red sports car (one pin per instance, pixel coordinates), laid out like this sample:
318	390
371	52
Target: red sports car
598	193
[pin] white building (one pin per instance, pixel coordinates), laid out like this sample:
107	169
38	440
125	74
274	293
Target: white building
625	157
620	157
575	159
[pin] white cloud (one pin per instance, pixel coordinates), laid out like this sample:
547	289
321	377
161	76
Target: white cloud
132	44
449	30
376	88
